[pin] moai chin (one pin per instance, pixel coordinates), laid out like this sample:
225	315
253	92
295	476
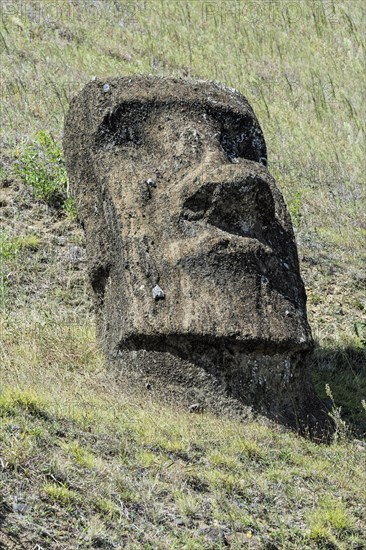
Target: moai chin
190	246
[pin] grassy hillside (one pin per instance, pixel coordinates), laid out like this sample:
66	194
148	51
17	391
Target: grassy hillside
85	464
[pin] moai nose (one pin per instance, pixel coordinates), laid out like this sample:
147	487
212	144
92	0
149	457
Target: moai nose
242	205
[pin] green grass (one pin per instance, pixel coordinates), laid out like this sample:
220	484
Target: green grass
59	493
330	517
95	465
10	247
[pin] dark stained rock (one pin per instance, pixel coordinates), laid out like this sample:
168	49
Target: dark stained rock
191	252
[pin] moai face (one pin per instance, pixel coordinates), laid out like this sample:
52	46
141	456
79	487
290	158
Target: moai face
187	232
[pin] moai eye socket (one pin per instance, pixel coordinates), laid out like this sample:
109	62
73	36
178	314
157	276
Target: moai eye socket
122	127
239	138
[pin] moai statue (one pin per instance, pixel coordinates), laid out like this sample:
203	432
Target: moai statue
191	251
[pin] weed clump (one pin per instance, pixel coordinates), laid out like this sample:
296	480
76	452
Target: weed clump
328	518
60	494
41	166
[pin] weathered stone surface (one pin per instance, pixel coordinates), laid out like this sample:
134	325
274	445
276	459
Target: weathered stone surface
191	252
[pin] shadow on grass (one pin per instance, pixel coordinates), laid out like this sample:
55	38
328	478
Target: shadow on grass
344	371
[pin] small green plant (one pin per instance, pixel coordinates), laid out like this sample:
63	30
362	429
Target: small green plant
222	459
41	166
29	242
223	481
59	493
187	503
295	207
252	450
9	248
329	518
147	459
17	453
81	456
106	507
70	208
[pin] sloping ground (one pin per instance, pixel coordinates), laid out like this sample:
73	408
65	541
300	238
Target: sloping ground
85	464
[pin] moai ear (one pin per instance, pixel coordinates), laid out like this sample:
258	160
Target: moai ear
78	142
81	125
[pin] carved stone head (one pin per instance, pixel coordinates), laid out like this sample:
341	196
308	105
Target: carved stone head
190	246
